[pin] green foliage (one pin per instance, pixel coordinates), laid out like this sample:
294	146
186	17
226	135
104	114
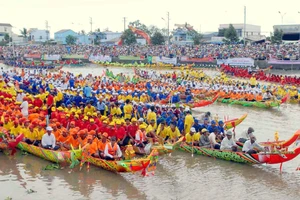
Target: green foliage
6	37
231	35
24	32
128	37
222	32
276	37
70	39
157	39
51	167
197	38
137	24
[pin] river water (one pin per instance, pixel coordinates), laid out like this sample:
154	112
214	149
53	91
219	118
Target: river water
178	175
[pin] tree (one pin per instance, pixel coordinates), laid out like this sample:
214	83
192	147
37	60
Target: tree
128	37
231	35
82	32
221	32
276	37
153	30
6	37
24	32
157	39
197	38
137	24
70	39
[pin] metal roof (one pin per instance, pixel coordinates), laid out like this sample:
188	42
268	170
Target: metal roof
5	24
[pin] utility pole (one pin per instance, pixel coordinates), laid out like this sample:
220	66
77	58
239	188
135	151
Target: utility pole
91	22
168	18
245	25
124	20
47	28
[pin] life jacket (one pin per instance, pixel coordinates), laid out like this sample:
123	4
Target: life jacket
142	136
112	150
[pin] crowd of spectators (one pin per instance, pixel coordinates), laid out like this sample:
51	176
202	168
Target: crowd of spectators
257	51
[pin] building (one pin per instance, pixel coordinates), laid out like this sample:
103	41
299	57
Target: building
85	39
252	33
110	37
251	30
36	35
5	29
290	32
60	36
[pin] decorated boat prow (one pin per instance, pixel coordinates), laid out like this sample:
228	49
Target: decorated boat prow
144	165
234	122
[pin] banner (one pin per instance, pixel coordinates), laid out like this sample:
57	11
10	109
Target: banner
75	56
50	57
131	57
157	59
32	55
237	62
196	60
100	58
284	62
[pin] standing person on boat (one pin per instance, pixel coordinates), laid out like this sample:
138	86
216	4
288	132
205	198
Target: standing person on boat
24	107
251	146
20	96
228	143
49	102
246	134
151	115
49	140
204	139
188	121
112	150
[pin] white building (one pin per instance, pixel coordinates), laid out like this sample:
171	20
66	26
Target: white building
5	29
36	35
110	36
250	29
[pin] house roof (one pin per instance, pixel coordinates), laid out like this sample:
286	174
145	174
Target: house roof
64	30
5	24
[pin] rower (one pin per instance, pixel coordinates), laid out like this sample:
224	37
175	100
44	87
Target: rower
251	147
173	132
228	143
204	140
48	140
112	150
140	136
246	134
212	138
192	138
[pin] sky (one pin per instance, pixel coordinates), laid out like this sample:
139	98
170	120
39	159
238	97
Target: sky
203	15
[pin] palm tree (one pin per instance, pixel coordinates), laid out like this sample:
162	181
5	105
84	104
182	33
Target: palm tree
24	33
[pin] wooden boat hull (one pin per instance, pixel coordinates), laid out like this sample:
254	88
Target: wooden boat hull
143	164
240	157
202	103
53	156
234	122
